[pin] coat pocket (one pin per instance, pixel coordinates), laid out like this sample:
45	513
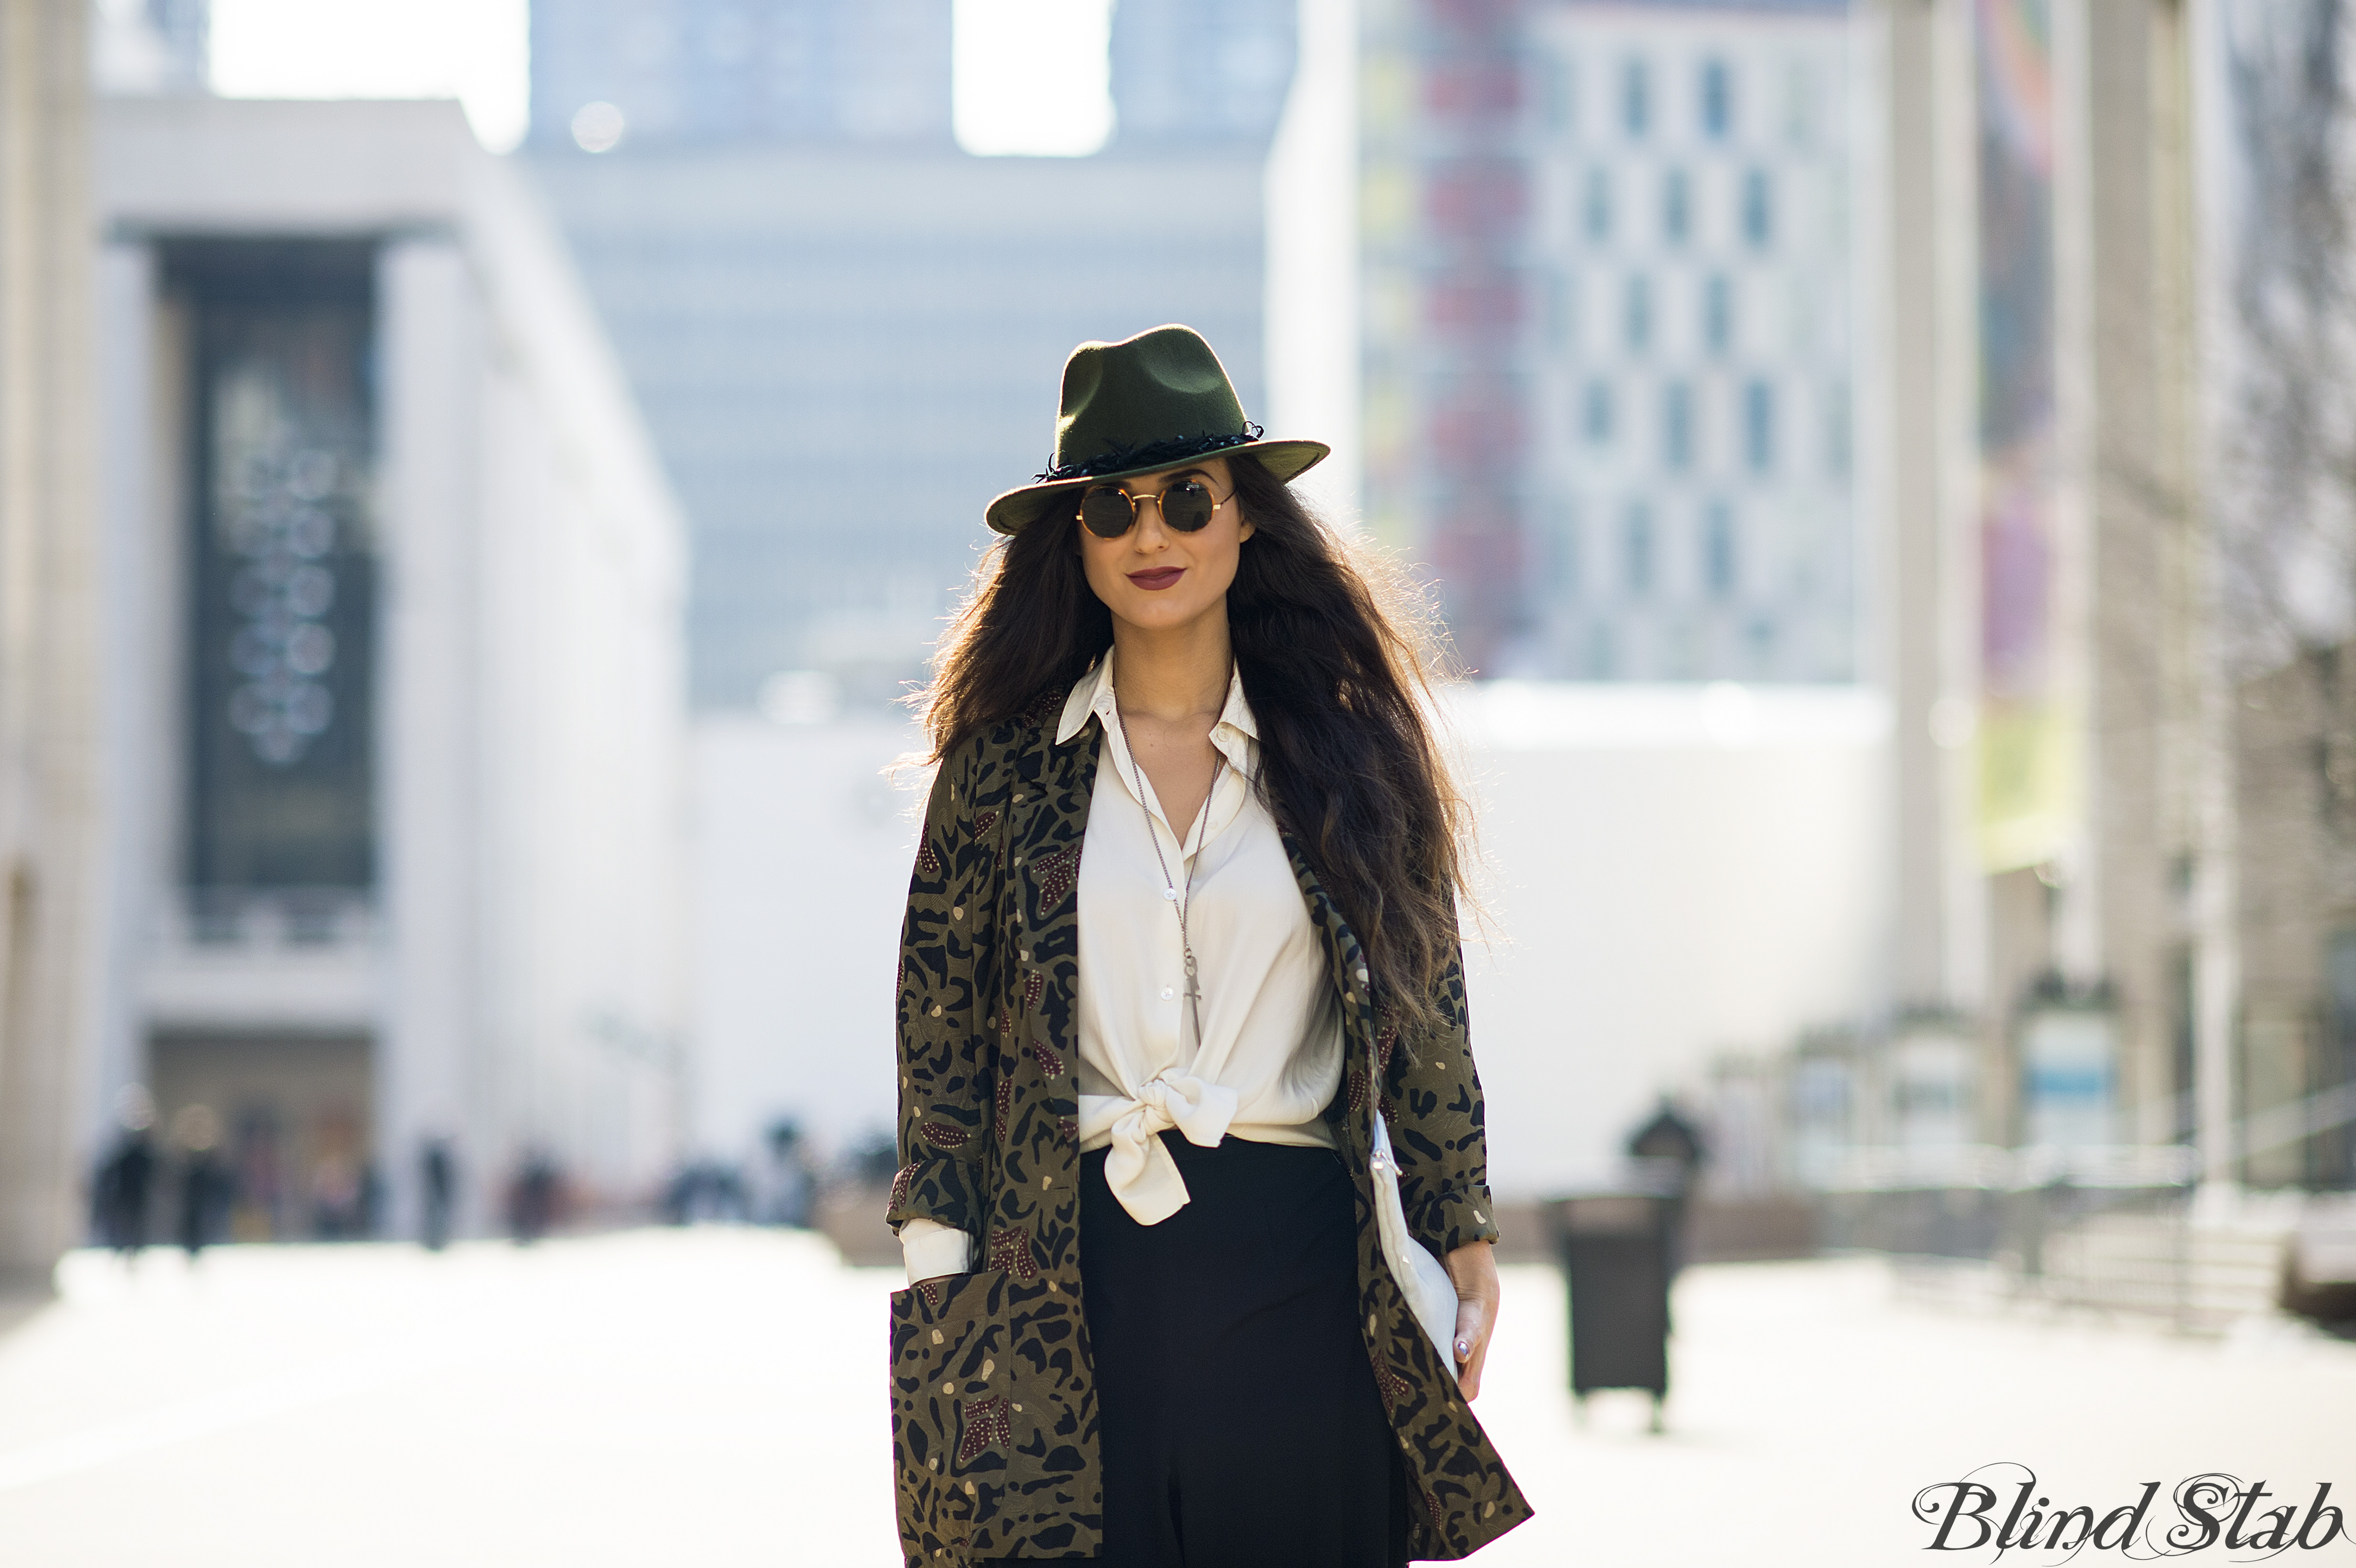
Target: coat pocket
947	1342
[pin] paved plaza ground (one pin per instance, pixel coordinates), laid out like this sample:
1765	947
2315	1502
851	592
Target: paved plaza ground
710	1398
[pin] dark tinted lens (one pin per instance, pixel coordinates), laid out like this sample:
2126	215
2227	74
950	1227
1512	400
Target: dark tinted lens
1187	506
1105	512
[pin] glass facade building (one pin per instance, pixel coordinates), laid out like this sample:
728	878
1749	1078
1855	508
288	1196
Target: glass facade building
845	332
1609	347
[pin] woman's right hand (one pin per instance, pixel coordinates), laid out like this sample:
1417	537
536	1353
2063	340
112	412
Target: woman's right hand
1472	1269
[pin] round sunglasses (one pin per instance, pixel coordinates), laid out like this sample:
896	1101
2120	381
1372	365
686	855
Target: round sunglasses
1109	511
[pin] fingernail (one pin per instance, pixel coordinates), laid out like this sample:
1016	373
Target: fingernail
1463	1350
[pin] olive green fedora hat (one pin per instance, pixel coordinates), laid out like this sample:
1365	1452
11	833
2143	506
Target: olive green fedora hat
1144	403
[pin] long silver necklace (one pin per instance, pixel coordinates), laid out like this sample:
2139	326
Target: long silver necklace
1170	891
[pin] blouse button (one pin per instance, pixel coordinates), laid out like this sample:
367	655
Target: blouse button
1167	993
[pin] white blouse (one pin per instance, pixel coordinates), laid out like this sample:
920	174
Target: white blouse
1269	1057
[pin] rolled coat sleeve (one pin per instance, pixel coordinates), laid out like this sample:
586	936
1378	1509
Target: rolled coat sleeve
947	1057
1438	1127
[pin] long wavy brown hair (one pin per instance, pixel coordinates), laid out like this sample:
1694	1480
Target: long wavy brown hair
1336	662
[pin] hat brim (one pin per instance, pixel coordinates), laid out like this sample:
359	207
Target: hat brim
1285	460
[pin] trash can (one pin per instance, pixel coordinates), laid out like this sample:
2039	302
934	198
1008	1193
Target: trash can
1614	1248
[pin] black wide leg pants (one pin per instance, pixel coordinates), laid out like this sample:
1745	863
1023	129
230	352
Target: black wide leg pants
1240	1425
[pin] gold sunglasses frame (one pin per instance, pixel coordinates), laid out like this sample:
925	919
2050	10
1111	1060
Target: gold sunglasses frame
1137	504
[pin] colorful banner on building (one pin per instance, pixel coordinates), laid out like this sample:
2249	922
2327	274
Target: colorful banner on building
2030	744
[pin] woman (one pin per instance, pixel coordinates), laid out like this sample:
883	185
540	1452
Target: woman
1151	1320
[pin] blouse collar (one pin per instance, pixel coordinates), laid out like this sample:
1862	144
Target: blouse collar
1093	693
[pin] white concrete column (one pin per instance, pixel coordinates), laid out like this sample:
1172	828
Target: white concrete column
1964	936
2077	931
2216	818
1901	211
50	801
1311	190
140	624
429	1066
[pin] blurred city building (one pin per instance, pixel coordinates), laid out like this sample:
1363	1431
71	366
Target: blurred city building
2111	300
2276	876
50	627
2040	618
2295	929
1607	343
150	46
845	330
2047	575
393	714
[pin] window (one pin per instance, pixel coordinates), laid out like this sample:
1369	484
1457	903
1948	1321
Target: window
1676	216
1638	547
1595	417
1635	98
1562	310
1716	101
1561	106
1800	123
1759	425
1636	312
1718	549
1758	210
1718	314
1598	205
1676	427
1566	549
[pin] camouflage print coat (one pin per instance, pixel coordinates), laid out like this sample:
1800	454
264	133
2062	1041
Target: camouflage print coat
993	1400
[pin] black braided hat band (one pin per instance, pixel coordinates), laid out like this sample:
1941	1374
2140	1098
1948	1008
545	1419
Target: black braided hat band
1151	454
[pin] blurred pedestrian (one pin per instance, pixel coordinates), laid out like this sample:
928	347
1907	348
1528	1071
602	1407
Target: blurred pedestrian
205	1185
126	1178
532	1202
1668	1153
438	1173
336	1198
1670	1138
790	1176
678	1194
1140	1085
